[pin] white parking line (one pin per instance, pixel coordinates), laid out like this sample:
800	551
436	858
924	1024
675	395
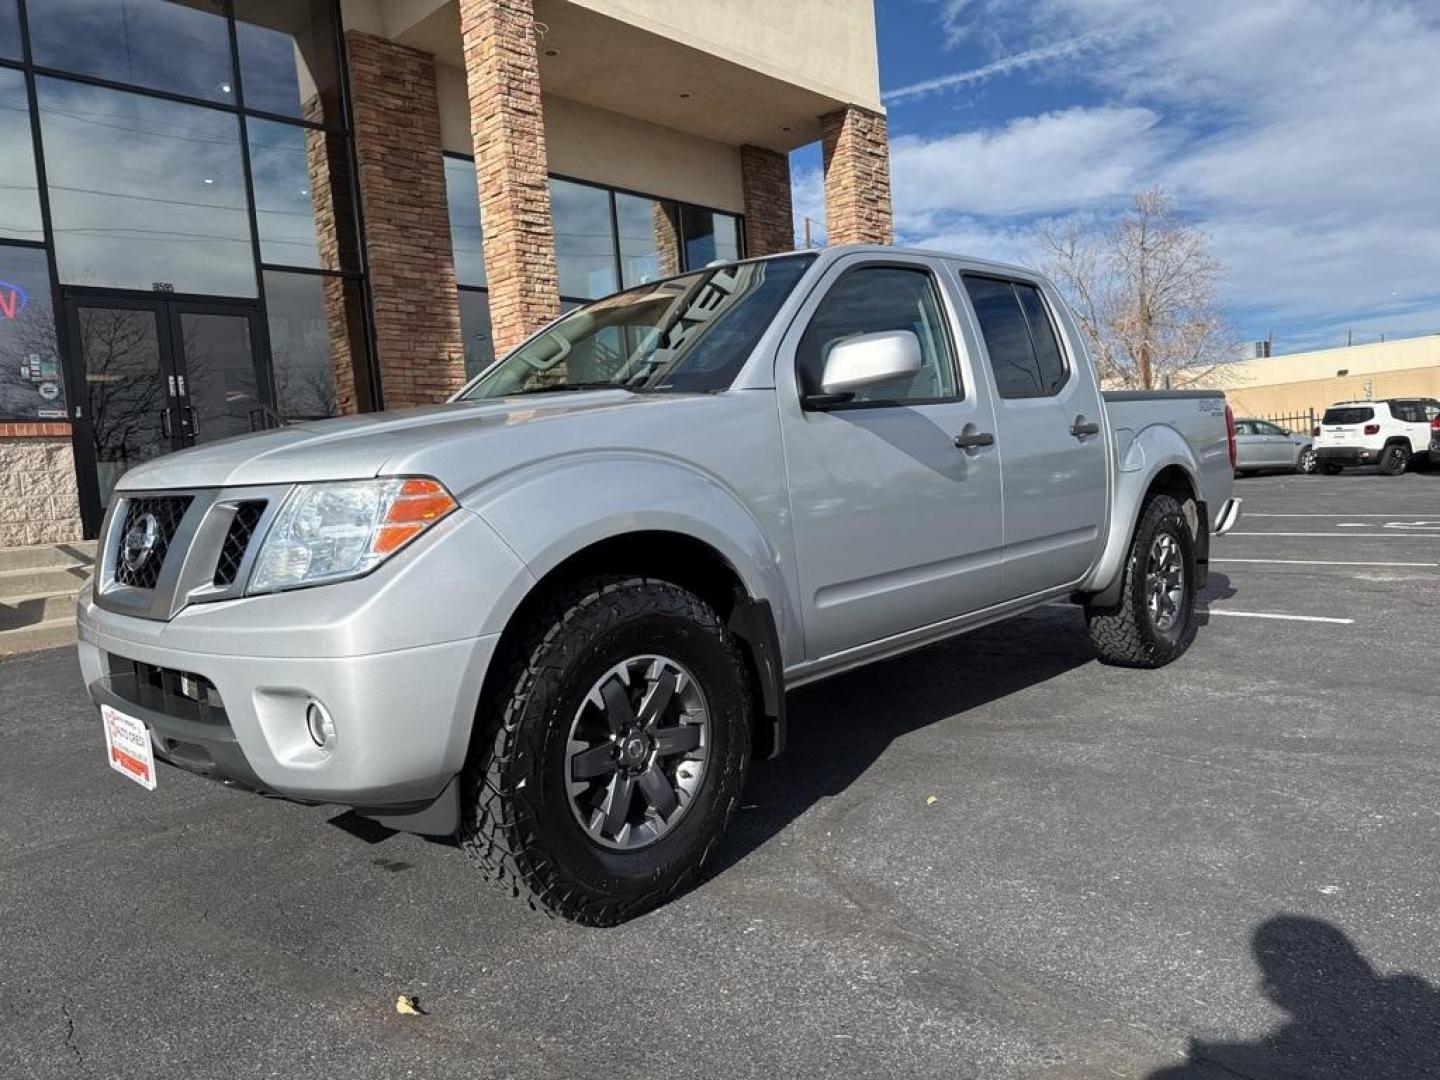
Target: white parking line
1248	514
1333	536
1273	615
1323	562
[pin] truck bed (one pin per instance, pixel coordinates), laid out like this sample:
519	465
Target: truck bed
1197	415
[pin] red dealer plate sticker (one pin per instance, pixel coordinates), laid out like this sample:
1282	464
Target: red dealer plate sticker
127	747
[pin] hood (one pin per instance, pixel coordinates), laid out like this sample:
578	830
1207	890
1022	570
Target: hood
358	447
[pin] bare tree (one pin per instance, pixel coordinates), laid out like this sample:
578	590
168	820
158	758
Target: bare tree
1144	290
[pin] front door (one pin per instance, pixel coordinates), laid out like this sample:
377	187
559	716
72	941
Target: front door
896	526
157	374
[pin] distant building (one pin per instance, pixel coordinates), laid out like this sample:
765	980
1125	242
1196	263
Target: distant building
1298	383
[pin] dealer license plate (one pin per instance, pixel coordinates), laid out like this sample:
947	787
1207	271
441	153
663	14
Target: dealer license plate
127	747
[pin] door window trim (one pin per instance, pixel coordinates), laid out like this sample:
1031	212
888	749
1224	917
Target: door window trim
1061	343
948	316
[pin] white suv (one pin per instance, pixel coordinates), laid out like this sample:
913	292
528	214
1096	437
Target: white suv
1387	433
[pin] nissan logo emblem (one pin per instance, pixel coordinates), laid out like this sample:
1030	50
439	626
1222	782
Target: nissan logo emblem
139	543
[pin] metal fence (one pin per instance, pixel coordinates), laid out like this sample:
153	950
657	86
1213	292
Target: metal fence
1298	423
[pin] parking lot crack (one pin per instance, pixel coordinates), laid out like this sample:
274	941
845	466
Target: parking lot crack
70	1042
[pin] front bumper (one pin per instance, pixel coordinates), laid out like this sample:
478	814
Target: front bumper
1347	455
396	658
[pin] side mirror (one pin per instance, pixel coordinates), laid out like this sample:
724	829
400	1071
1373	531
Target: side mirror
867	360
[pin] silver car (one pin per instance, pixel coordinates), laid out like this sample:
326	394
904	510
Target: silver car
1261	446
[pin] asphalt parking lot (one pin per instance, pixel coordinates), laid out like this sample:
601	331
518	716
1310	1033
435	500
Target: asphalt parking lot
994	858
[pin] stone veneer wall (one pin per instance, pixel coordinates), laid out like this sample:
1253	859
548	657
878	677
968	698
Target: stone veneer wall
39	503
769	220
407	221
507	127
856	147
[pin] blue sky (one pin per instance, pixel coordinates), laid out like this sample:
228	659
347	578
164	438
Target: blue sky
1301	134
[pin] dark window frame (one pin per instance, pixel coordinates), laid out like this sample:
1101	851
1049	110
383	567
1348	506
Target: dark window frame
1060	343
946	317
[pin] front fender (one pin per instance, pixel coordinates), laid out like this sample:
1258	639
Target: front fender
1142	457
552	511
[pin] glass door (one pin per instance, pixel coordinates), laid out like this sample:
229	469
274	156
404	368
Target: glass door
220	388
158	374
128	382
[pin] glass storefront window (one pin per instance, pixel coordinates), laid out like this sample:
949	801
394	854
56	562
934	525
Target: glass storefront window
584	239
317	345
183	48
19	192
648	238
475	331
31	385
145	194
287	58
295	171
466	234
709	236
9	30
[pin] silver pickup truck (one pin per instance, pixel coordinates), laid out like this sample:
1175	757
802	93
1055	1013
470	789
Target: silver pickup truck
557	616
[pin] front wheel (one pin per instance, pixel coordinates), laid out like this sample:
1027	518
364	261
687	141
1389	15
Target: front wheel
1394	459
1154	622
617	744
1329	468
1307	462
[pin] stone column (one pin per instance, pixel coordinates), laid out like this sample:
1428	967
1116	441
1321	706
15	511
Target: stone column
507	125
765	181
856	150
407	221
39	503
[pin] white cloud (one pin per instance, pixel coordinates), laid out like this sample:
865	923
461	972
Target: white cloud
1298	132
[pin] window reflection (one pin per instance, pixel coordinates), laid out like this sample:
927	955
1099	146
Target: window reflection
180	47
475	331
316	344
287	58
296	172
584	240
19	194
9	30
709	236
144	191
31	387
466	234
649	238
125	396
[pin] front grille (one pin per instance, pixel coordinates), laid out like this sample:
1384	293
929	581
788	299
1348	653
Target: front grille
237	539
180	694
143	571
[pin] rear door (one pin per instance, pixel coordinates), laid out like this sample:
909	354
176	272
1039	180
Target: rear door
1049	426
1278	445
1410	415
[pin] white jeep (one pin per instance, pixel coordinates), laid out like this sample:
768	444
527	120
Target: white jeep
1390	434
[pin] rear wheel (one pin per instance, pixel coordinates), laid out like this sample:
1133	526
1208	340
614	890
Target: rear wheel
1154	622
1306	463
618	741
1329	468
1394	459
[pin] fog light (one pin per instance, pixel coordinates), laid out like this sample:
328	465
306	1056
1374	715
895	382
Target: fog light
322	728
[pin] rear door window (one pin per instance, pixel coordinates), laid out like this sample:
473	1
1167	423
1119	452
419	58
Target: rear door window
1347	415
1025	355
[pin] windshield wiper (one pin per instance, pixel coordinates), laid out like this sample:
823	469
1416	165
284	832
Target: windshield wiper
568	386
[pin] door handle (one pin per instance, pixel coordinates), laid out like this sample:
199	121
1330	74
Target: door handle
1082	427
973	439
165	426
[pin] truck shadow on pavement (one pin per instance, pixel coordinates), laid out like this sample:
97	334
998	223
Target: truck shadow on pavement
837	729
1346	1020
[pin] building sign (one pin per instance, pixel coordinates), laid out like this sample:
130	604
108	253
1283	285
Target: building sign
31	382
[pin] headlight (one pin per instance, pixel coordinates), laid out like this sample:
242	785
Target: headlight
328	532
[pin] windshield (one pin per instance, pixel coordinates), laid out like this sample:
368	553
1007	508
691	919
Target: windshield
690	333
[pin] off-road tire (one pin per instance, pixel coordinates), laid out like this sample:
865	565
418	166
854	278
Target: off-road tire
517	825
1394	459
1329	468
1125	634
